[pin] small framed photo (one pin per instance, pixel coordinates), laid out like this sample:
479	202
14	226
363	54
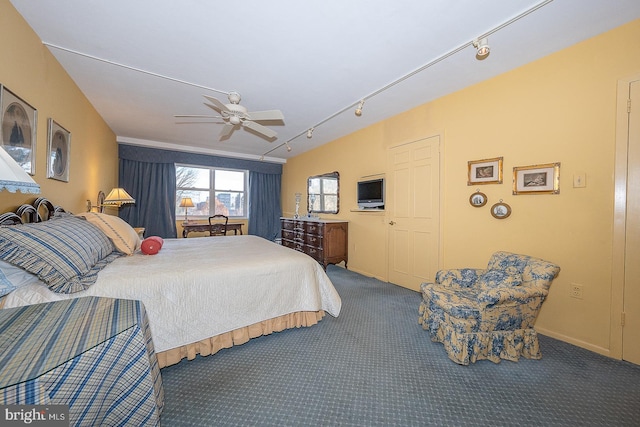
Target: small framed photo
478	199
537	179
58	152
487	171
500	210
19	120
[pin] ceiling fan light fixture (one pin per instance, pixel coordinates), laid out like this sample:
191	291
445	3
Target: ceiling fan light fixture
234	120
483	48
234	97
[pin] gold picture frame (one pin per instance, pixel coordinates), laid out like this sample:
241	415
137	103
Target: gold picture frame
486	171
537	179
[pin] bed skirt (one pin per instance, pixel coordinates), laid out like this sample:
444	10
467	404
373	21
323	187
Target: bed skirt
240	336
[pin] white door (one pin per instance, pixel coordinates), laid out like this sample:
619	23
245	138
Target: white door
413	211
631	328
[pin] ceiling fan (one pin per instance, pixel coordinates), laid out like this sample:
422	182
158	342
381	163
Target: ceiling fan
235	115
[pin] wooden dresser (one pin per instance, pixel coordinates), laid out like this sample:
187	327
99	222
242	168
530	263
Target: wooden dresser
324	240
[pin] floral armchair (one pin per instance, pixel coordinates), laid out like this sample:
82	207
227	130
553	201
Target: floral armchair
488	313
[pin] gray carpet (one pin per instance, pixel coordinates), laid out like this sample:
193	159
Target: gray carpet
375	366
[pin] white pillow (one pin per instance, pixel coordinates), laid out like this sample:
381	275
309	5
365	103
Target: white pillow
17	276
123	236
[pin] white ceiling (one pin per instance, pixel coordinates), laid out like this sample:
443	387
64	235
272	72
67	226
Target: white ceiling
141	62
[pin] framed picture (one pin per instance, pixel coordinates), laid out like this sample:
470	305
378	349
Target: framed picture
487	171
537	179
500	210
478	199
58	152
19	120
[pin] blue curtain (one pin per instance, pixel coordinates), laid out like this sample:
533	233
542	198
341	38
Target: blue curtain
148	174
154	155
264	204
153	185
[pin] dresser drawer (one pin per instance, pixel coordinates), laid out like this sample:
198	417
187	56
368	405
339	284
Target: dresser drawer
288	224
313	240
288	244
315	253
288	234
313	227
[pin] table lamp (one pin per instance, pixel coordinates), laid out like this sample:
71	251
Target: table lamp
118	197
186	203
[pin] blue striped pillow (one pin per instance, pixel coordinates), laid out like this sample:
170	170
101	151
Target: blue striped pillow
65	252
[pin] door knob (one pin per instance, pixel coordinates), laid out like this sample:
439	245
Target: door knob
391	222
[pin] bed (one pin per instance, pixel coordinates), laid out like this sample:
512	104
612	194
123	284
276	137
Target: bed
201	295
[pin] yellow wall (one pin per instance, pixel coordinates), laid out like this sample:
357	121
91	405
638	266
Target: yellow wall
29	70
561	108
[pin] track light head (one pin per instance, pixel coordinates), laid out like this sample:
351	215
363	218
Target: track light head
310	133
482	46
359	108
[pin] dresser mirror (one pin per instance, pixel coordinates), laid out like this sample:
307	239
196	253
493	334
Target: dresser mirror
323	193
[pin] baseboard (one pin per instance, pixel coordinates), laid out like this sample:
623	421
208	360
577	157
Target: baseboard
579	343
365	273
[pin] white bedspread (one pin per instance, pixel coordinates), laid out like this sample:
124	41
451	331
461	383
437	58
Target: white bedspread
198	288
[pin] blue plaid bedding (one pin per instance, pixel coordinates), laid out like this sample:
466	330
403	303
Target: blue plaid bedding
93	354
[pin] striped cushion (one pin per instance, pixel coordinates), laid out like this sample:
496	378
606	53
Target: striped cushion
124	238
65	252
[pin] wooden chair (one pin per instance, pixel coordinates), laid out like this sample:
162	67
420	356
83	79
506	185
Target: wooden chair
218	225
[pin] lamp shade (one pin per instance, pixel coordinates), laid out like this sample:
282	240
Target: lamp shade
118	196
13	177
186	202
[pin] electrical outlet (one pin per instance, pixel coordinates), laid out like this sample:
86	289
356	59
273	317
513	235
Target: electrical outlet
576	291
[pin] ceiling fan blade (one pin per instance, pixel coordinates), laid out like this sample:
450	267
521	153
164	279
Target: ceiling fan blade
213	107
266	115
260	129
198	116
217	105
226	131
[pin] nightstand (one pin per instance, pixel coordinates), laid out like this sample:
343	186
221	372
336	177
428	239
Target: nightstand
140	231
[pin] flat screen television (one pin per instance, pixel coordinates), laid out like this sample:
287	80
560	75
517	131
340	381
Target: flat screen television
371	194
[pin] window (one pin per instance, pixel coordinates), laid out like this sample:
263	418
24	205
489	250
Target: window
227	188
